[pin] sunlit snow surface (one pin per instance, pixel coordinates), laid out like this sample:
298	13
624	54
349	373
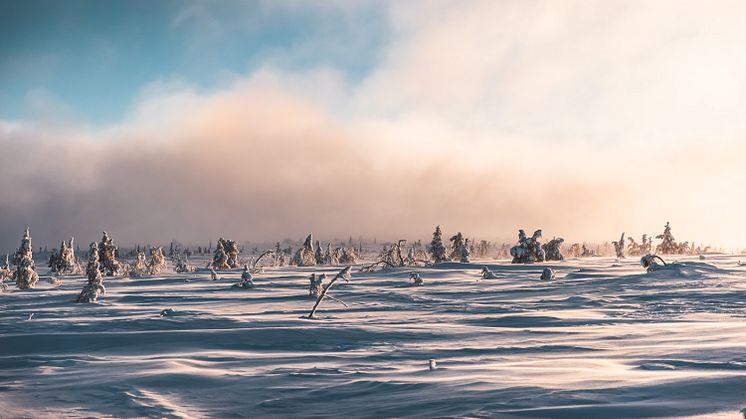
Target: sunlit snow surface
603	340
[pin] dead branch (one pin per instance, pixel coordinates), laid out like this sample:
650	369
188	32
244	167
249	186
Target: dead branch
343	274
255	263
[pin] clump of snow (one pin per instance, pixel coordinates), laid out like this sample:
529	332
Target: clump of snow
487	273
651	262
247	279
416	279
182	265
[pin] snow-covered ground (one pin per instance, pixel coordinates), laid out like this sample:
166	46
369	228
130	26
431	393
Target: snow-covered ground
603	340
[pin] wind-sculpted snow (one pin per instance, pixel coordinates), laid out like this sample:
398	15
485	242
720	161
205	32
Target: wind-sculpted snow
603	339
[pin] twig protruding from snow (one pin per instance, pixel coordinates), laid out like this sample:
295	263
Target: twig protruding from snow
343	274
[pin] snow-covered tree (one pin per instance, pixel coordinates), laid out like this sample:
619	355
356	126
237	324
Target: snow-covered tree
108	254
182	265
220	258
528	249
25	274
157	262
64	261
437	249
552	249
95	286
140	267
226	255
316	285
54	261
5	272
460	248
619	247
319	254
668	246
305	256
231	249
347	256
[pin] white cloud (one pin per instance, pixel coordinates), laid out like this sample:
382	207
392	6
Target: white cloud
584	118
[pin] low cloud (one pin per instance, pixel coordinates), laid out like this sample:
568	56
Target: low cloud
585	121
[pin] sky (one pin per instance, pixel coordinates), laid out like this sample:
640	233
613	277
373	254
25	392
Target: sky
268	120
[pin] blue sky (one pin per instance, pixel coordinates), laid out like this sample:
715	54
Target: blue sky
91	58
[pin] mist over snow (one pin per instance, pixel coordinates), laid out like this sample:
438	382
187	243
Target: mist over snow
584	119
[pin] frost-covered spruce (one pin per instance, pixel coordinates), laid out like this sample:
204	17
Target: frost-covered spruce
647	247
460	248
619	247
326	257
466	252
411	259
347	256
279	255
70	263
305	256
247	280
319	254
140	267
669	246
25	274
64	260
95	287
436	249
108	253
5	275
157	262
183	265
487	273
528	249
335	255
416	279
5	272
54	261
316	285
552	249
220	257
231	251
547	274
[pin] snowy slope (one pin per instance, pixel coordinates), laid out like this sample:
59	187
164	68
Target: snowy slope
603	340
